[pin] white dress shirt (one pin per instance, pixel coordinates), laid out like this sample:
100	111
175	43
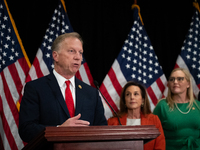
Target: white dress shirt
133	122
61	82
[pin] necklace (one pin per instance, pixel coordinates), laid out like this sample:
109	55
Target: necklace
181	111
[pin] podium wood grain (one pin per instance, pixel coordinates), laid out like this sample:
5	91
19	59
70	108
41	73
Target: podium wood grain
94	137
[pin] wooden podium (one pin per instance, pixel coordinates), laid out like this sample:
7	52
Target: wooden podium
93	138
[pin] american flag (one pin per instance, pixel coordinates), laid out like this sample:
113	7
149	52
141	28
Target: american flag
136	61
190	51
14	66
43	62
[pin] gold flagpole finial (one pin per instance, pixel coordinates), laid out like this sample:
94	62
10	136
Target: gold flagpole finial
135	5
196	5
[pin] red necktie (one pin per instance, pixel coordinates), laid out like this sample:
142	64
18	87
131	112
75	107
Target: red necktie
69	99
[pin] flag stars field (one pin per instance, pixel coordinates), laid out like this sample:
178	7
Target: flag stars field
13	70
190	52
131	64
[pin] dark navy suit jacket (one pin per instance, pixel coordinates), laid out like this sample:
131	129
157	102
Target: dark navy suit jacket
43	105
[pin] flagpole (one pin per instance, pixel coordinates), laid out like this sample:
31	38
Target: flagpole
135	1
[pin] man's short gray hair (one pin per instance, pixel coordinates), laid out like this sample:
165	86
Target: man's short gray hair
59	39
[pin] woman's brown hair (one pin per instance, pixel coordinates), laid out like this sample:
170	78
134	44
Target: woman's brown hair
145	109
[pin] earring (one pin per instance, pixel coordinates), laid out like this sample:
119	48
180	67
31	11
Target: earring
142	104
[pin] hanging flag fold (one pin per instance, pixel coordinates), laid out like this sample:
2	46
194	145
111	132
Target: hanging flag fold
136	61
14	67
43	62
190	51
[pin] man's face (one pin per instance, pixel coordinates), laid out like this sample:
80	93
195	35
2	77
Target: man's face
69	56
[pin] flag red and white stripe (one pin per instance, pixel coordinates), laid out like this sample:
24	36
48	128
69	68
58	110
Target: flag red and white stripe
190	51
136	61
14	66
43	62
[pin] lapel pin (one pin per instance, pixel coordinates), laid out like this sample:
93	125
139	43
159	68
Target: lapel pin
193	108
80	86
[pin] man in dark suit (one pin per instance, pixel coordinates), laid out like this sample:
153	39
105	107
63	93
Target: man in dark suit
43	103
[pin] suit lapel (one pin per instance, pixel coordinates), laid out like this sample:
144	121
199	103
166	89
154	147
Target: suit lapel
144	120
79	95
57	92
123	119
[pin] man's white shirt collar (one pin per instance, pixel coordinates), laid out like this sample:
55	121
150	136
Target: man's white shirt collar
61	80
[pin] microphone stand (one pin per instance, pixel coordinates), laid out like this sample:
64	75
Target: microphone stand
97	85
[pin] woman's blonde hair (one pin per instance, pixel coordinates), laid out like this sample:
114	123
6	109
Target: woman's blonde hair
189	93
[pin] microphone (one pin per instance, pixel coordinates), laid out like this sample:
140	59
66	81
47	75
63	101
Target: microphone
97	85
